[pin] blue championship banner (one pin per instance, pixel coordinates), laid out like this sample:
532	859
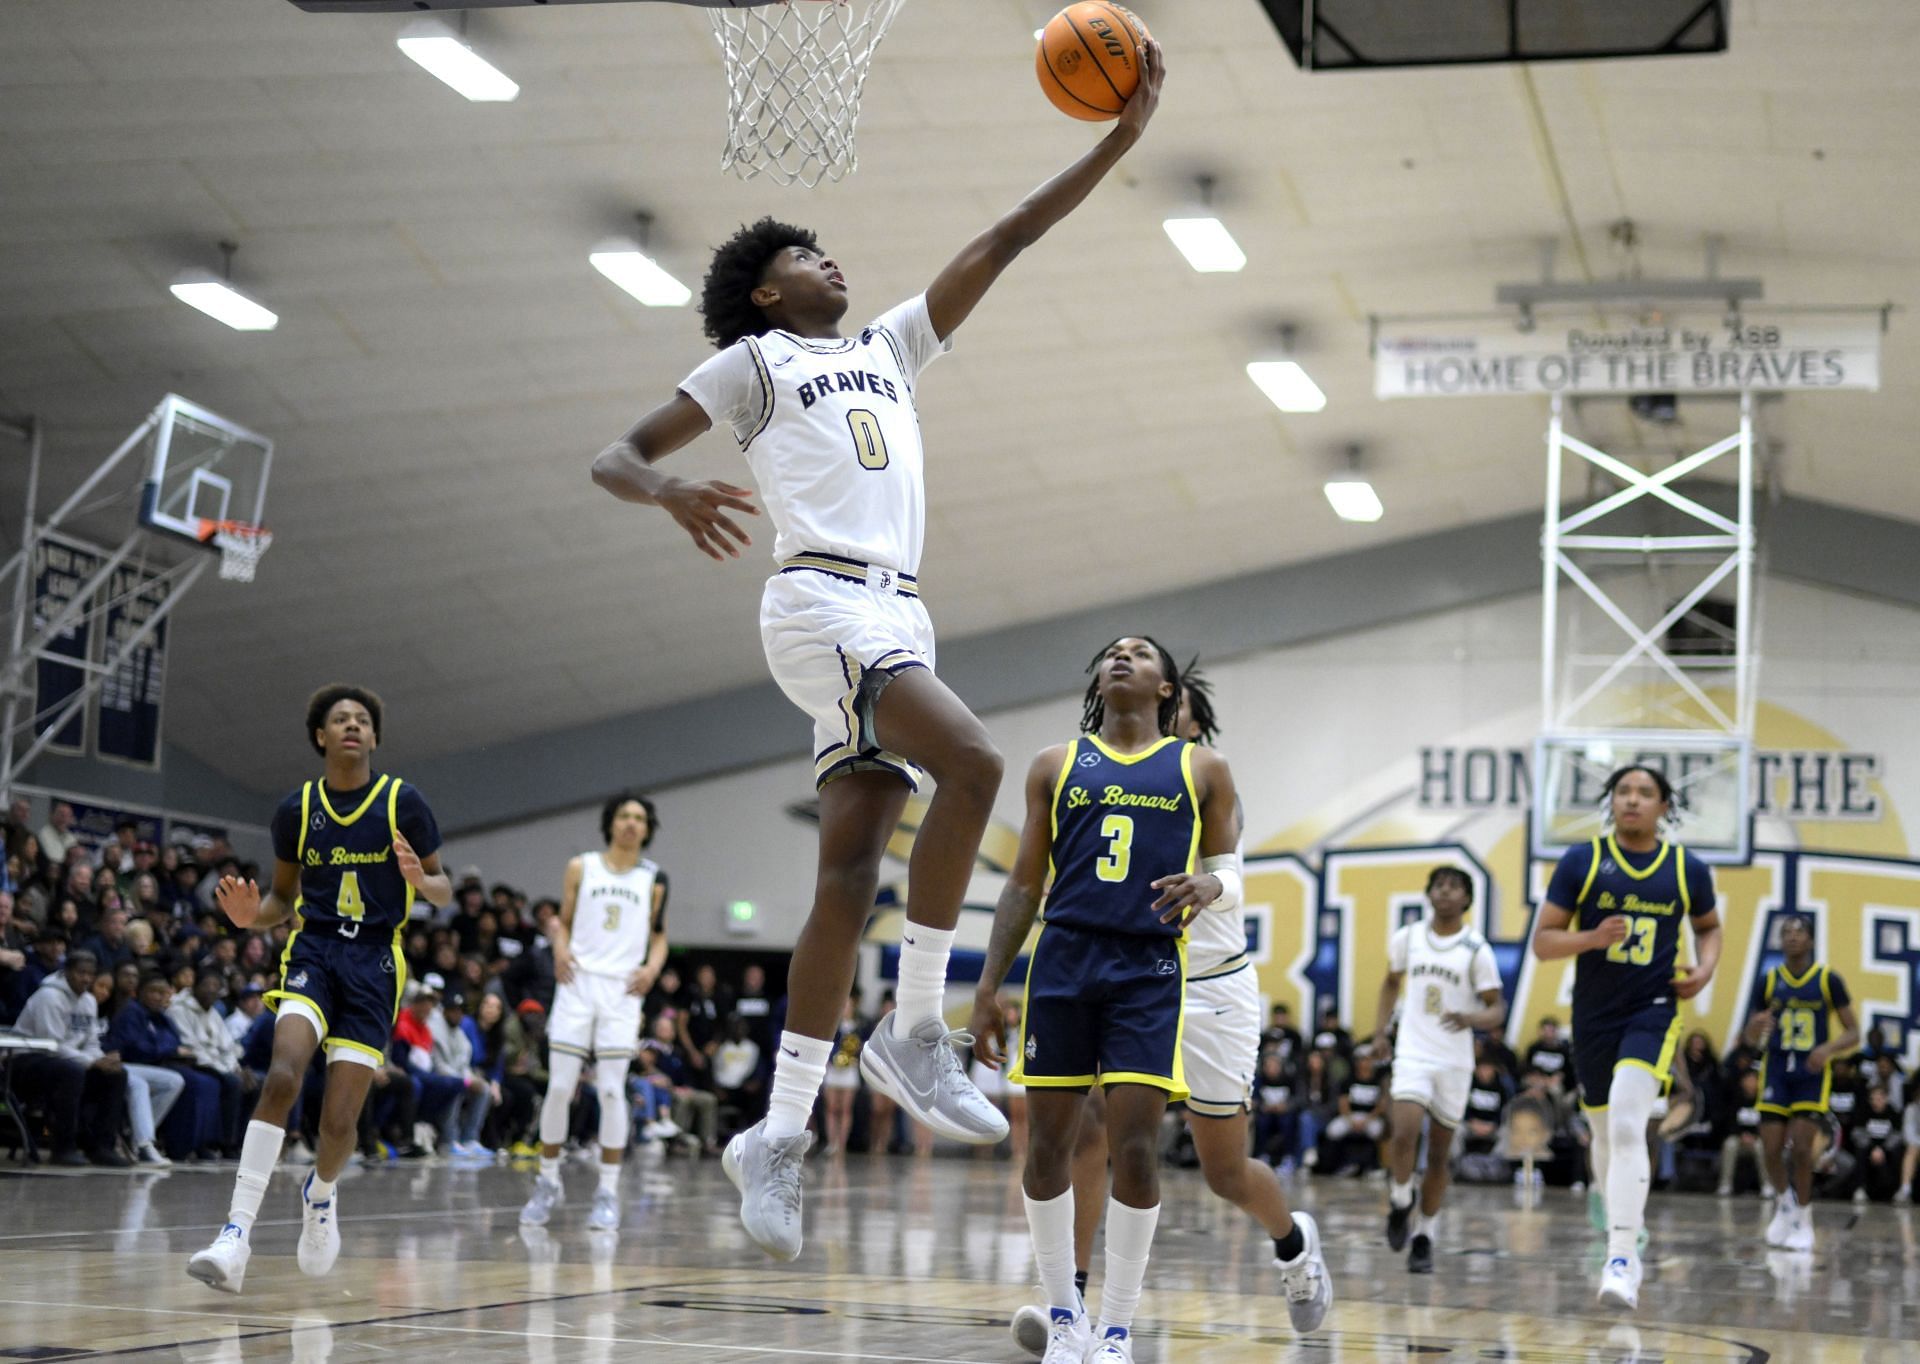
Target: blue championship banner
128	727
60	568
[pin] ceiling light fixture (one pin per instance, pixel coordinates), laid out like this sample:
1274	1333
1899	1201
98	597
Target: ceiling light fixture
1353	498
447	56
628	265
217	298
1290	387
1203	239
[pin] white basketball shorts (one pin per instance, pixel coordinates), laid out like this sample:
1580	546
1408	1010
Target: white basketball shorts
1440	1089
1220	1042
833	641
594	1014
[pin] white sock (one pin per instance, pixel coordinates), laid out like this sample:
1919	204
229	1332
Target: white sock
1629	1170
1421	1224
318	1190
550	1168
609	1178
798	1073
1129	1240
1600	1153
922	989
1050	1224
259	1153
1401	1195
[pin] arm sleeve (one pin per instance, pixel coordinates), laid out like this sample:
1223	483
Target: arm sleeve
1838	989
729	389
416	821
1700	887
1569	876
1397	950
286	830
1486	971
912	329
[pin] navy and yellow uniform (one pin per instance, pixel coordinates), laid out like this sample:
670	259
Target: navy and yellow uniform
1625	1012
343	962
1803	1009
1106	982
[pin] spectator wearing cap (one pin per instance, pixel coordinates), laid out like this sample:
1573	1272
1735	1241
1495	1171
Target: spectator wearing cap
413	1036
49	951
453	1052
152	1052
83	1088
215	1053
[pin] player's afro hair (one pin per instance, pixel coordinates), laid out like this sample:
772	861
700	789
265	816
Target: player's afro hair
1093	709
727	309
332	695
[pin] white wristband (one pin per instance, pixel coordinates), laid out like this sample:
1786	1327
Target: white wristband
1225	869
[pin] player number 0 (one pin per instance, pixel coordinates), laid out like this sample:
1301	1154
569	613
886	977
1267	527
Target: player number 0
869	442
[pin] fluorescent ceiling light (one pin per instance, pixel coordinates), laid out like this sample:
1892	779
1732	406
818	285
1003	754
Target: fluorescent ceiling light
1288	385
447	57
224	303
1354	499
637	273
1206	243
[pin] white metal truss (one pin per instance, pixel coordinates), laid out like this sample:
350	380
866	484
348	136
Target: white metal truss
29	639
1562	708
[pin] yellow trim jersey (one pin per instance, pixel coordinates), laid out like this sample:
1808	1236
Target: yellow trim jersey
342	841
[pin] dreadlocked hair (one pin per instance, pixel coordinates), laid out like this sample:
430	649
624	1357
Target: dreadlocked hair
1199	694
727	309
1094	709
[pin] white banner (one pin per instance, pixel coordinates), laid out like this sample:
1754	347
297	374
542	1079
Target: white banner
1704	357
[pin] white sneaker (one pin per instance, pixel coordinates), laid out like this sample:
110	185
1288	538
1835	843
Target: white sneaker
1115	1346
606	1211
148	1155
1620	1282
1781	1222
1308	1286
1860	1195
1069	1338
319	1231
1029	1329
921	1072
1799	1230
546	1195
222	1265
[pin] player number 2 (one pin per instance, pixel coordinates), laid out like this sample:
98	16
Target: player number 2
1637	946
1433	1001
350	904
1796	1030
869	442
1113	864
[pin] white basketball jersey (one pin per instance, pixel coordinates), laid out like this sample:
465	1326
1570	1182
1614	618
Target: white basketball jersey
612	917
830	431
1440	976
1216	937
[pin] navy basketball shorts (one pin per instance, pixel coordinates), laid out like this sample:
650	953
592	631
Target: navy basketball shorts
1645	1038
1789	1089
348	988
1102	1008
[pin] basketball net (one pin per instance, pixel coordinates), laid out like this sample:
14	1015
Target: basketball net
241	545
795	69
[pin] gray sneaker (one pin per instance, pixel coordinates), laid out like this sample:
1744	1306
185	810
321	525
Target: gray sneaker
766	1171
922	1074
606	1211
546	1195
1308	1286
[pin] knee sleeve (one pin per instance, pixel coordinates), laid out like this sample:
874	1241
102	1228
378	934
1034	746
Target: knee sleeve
610	1079
563	1075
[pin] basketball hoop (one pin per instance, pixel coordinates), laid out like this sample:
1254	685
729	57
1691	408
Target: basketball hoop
241	545
795	69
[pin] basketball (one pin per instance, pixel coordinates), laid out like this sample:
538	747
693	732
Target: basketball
1089	59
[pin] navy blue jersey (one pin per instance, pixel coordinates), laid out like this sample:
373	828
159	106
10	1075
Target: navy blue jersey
342	841
1121	821
1653	890
1803	1014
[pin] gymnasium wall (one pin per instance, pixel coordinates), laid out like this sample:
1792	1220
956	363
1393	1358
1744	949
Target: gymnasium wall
1366	758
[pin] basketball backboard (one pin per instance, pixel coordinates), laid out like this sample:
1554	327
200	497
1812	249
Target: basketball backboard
202	468
1712	786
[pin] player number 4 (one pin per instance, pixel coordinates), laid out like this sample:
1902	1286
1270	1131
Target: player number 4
349	903
1637	947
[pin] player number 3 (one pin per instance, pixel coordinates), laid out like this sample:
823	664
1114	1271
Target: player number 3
1113	864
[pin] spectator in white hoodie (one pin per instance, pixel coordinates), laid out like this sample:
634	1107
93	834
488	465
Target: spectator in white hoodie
84	1089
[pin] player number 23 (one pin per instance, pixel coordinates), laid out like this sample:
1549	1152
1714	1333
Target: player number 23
869	441
1113	864
1637	946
